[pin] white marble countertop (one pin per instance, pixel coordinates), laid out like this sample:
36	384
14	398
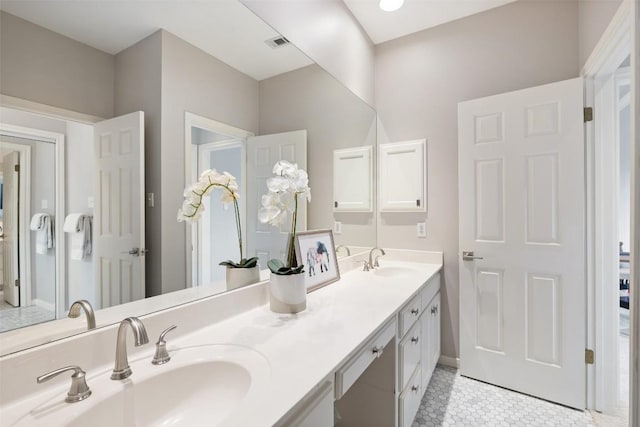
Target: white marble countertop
303	349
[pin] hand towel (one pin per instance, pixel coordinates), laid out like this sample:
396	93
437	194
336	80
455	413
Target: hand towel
42	224
79	226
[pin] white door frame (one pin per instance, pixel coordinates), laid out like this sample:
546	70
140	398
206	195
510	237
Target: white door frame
192	120
25	174
602	377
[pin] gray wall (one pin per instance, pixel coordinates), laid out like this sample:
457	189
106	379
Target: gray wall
138	88
421	78
334	118
42	66
593	18
327	32
196	82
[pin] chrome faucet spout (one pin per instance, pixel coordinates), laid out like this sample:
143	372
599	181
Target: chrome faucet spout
371	261
346	248
83	305
121	369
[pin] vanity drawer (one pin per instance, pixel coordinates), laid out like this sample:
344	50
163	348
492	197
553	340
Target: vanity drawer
409	400
410	354
348	373
409	314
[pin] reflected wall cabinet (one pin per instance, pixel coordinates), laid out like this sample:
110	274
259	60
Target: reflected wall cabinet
403	176
353	180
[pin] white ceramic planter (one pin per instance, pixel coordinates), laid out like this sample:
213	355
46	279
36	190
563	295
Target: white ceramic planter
239	277
287	293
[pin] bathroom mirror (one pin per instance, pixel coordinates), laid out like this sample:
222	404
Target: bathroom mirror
64	68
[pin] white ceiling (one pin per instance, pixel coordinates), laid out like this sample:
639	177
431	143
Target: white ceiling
415	15
225	29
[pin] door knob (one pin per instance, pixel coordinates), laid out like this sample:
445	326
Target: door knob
468	256
137	252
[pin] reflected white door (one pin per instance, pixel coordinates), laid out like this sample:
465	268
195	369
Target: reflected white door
522	210
118	251
263	240
10	205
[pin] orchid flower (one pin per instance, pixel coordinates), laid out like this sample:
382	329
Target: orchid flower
192	207
288	183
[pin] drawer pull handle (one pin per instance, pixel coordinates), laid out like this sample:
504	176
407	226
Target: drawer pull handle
415	339
415	311
415	388
377	351
434	310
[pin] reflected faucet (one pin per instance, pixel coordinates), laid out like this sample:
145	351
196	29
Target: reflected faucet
345	248
375	263
83	304
122	369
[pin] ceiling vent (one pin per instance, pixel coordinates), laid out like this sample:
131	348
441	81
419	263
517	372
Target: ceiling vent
277	42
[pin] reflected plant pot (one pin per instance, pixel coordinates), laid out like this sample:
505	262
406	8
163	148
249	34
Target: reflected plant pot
239	277
287	293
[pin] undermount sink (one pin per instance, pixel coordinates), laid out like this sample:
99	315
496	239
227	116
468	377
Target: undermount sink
393	271
202	385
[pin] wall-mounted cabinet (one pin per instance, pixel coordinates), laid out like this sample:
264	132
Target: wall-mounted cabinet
353	180
403	176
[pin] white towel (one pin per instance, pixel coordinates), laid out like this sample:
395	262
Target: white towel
79	225
42	224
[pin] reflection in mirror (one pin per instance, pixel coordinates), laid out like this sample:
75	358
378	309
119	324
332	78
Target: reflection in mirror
66	67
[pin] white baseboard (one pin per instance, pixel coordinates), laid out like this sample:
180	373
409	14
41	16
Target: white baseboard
44	304
452	362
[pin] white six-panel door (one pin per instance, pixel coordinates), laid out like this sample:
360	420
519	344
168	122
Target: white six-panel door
522	211
119	209
263	240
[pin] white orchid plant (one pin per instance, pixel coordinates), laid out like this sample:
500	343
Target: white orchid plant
192	207
288	184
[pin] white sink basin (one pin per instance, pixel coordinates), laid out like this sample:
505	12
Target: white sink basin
394	271
201	385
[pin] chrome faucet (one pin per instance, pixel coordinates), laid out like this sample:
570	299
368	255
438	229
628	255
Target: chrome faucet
79	389
372	263
345	248
122	369
83	304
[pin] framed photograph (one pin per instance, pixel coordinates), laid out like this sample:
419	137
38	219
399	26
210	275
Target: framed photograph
316	251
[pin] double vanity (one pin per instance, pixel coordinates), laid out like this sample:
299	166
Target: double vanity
362	353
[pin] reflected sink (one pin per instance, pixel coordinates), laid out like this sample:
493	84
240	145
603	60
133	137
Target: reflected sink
394	271
203	385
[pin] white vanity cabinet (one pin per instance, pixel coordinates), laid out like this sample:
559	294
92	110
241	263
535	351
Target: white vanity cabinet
419	348
315	410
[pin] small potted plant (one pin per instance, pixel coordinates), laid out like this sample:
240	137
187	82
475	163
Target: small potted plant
241	273
288	186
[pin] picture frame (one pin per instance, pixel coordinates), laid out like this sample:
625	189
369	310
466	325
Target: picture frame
315	249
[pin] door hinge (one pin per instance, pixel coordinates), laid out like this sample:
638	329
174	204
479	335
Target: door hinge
16	168
589	356
16	283
588	114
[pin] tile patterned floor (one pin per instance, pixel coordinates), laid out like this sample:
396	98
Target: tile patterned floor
18	317
455	401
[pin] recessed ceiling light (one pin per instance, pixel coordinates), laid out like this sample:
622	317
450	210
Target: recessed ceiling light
390	5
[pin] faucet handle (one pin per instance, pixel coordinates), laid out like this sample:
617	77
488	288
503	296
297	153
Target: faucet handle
366	265
376	264
162	355
79	389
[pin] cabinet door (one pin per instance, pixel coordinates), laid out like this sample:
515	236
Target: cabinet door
353	180
434	331
315	411
403	183
430	322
